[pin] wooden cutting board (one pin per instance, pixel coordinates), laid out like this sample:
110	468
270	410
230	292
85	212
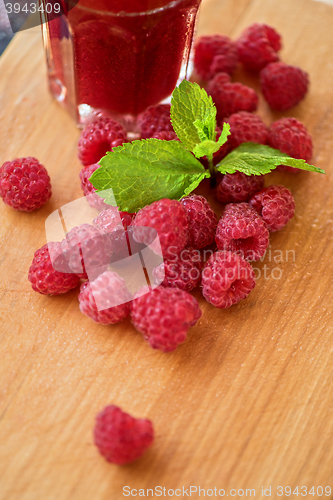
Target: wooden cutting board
247	401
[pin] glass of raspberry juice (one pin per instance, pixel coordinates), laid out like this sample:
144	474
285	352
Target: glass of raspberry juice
118	56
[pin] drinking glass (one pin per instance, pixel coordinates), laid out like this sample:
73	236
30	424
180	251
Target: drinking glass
117	56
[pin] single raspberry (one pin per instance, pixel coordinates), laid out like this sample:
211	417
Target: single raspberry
87	250
226	279
214	54
202	220
238	187
283	85
246	127
88	189
276	205
154	120
258	46
99	137
44	278
184	271
24	184
121	438
106	300
169	219
230	98
242	230
164	315
116	223
111	218
291	137
166	135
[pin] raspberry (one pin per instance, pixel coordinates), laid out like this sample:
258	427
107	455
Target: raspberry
183	272
88	189
99	137
111	218
116	223
24	184
120	437
242	230
276	205
226	279
44	278
154	120
238	187
291	137
169	219
246	127
202	221
164	315
86	249
283	85
230	98
106	300
258	46
214	54
166	135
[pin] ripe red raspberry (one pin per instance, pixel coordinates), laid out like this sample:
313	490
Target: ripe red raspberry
226	279
283	85
214	54
169	219
258	46
291	137
87	250
24	184
276	205
109	219
246	127
99	137
88	189
115	223
121	438
238	187
230	98
242	230
202	221
155	119
164	315
106	300
183	272
44	278
166	135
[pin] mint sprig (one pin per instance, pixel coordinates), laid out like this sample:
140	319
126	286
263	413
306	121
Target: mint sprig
138	173
193	115
256	159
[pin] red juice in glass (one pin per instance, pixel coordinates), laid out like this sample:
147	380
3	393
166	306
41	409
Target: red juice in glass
118	56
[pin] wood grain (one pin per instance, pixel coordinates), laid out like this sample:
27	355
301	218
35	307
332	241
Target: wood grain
247	401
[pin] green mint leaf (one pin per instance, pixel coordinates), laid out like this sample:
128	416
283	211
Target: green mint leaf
224	135
193	114
145	171
208	148
256	159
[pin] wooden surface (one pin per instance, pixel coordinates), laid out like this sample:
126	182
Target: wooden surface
247	401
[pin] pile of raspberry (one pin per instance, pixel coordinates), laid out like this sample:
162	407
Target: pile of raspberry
216	58
198	249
